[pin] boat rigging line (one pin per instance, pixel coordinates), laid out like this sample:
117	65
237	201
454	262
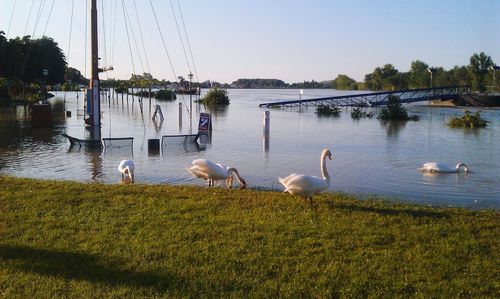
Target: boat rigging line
166	50
180	37
11	17
105	60
187	40
29	16
142	39
133	37
48	18
41	7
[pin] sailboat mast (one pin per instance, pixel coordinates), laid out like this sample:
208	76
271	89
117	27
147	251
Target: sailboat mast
95	112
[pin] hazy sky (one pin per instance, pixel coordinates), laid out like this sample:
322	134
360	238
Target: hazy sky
292	40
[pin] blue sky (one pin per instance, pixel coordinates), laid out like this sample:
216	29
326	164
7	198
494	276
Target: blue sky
289	40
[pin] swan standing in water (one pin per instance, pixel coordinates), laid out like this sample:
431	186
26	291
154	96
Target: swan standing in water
210	171
440	167
127	167
305	185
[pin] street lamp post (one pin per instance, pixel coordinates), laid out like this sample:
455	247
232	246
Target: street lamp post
493	68
45	73
430	71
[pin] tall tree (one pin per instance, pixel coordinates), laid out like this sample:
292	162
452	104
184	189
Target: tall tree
419	76
478	68
385	78
343	82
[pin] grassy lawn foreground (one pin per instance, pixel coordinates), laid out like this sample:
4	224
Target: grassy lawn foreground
66	239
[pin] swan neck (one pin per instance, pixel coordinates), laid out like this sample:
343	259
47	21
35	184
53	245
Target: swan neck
459	165
235	171
324	172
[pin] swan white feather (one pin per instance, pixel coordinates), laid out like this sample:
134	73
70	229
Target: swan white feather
210	171
441	167
305	185
127	167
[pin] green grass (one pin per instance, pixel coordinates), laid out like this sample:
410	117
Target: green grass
66	239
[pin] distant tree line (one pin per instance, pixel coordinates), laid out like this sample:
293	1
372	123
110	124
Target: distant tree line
259	83
420	75
478	75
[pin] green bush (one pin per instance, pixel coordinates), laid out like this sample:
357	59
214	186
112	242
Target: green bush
357	113
216	96
395	111
468	120
327	110
165	95
144	93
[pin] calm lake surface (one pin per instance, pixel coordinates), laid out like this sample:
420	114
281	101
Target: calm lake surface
369	157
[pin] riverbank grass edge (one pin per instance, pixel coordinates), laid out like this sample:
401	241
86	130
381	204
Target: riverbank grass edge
69	239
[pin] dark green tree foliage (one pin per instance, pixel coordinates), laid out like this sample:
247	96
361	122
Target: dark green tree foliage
25	59
75	77
357	113
327	110
258	83
478	68
386	78
165	95
419	76
216	96
343	82
468	120
394	110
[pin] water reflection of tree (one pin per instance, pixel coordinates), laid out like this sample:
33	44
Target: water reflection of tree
393	127
217	110
10	127
58	113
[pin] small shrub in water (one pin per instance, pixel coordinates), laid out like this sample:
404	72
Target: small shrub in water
395	111
328	110
165	95
357	113
468	120
216	96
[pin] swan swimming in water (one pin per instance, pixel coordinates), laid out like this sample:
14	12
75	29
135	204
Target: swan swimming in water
440	167
127	167
210	171
305	185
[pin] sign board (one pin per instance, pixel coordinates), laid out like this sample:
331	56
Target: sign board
301	91
205	124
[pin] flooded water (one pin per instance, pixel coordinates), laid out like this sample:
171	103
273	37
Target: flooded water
369	157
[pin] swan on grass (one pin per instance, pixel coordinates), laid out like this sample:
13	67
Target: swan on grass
305	185
210	171
440	167
127	167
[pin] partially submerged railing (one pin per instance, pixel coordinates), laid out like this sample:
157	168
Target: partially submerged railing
378	98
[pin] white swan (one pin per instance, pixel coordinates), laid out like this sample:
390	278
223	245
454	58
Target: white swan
440	167
305	185
210	171
127	167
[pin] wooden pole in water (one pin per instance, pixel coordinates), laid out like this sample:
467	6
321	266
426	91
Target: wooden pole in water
180	116
267	121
